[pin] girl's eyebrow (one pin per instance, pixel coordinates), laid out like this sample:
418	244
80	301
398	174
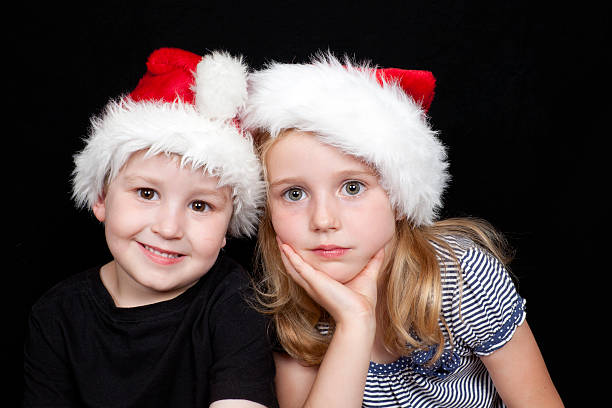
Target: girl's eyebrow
356	173
285	181
344	174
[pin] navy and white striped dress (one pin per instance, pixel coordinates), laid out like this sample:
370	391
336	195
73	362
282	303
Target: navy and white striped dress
481	318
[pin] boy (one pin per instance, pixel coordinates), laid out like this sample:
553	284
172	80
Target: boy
168	171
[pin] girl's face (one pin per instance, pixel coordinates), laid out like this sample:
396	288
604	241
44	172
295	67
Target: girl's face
328	206
164	225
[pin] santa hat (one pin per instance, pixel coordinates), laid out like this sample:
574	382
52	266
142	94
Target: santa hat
185	104
376	115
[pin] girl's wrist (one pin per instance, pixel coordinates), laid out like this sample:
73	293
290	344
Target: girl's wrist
354	313
365	324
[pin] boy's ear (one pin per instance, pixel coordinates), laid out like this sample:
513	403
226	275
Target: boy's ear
99	209
224	242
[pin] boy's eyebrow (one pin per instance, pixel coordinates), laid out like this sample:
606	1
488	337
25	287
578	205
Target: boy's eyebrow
216	192
137	179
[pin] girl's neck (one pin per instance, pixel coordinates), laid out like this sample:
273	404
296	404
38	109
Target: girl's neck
379	353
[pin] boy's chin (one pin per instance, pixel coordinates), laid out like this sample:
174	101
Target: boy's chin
168	291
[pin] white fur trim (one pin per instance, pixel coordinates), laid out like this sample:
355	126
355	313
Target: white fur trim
220	85
218	147
347	108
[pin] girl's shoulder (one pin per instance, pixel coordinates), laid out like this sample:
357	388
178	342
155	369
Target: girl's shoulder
461	258
451	248
480	302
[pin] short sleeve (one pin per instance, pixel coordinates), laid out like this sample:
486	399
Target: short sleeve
243	367
487	309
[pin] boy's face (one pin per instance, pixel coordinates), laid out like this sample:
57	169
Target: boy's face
164	226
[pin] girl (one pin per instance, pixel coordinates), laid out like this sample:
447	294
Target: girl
374	302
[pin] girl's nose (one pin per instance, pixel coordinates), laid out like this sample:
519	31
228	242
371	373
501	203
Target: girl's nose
324	215
168	223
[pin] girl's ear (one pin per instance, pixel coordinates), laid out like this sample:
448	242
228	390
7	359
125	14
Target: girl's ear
99	209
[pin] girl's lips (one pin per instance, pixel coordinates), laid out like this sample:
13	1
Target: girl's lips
160	256
330	251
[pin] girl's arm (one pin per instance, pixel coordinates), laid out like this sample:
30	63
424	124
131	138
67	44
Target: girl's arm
340	379
235	404
519	372
293	381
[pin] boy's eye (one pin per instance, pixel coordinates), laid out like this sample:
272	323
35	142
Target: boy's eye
294	194
352	187
147	193
199	206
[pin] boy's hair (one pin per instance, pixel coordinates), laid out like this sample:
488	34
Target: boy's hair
185	104
410	286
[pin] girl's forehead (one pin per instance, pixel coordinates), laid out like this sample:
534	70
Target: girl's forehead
295	146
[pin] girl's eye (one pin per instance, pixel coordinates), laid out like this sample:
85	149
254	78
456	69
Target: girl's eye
147	193
294	194
352	188
199	206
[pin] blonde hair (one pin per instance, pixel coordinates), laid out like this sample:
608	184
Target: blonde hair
410	286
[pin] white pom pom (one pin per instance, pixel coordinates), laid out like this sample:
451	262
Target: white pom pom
220	86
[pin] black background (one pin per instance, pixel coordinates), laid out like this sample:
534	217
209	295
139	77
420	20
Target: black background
518	103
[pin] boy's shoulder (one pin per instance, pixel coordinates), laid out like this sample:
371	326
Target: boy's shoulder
227	276
81	294
65	292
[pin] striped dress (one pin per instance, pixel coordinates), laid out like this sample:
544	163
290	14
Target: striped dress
481	319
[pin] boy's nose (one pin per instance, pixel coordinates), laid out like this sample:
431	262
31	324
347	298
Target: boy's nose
325	215
167	223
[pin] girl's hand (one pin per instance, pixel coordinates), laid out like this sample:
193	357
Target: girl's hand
345	302
340	379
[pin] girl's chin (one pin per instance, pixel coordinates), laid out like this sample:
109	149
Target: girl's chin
343	274
341	270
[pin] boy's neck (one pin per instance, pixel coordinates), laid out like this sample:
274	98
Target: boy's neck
127	293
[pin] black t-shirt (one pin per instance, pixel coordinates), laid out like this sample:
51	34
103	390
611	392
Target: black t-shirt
205	345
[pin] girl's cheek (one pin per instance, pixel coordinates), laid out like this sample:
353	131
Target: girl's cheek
286	226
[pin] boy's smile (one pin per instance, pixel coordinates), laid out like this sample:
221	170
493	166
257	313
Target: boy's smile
161	256
328	206
164	226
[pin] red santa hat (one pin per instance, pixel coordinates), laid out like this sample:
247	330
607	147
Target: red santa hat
185	104
377	115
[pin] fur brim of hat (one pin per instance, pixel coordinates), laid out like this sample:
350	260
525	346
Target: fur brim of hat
347	107
204	138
